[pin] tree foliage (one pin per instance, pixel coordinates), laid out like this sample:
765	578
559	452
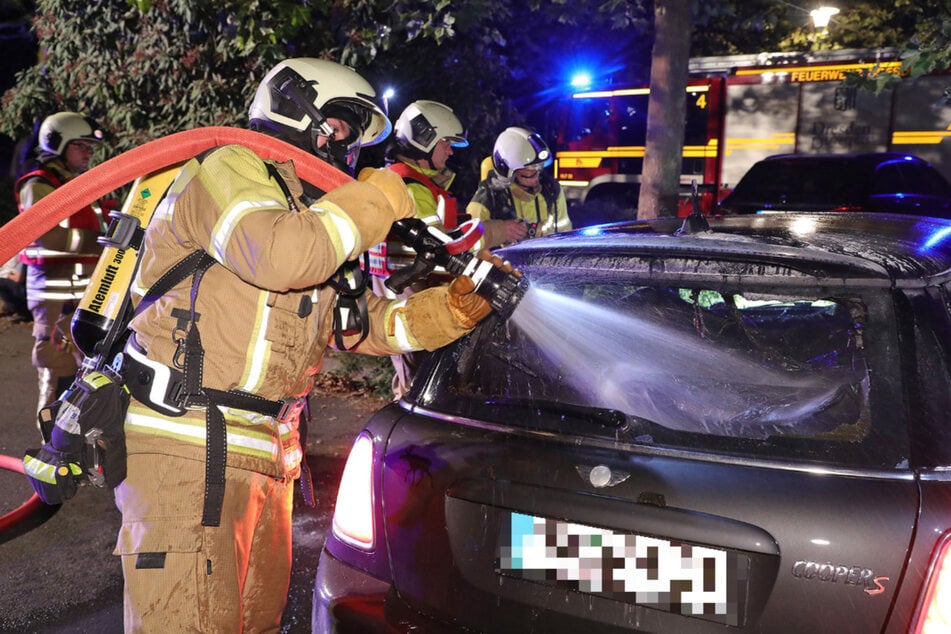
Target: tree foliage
147	68
927	48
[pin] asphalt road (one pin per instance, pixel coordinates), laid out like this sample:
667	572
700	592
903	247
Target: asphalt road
57	571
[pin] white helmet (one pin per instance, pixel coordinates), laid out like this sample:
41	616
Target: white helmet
59	129
516	148
296	97
424	123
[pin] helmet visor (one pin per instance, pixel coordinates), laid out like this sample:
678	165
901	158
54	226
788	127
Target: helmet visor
344	149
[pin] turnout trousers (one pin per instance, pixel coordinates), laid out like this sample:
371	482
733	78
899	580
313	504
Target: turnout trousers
55	356
181	576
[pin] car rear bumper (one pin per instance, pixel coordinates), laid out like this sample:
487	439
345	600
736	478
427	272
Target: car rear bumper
347	599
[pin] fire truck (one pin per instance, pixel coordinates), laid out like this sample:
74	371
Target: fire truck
743	108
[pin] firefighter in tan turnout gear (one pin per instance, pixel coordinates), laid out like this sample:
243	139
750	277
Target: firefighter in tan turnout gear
206	505
61	261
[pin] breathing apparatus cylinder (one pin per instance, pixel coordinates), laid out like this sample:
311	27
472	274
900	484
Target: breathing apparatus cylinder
502	290
105	298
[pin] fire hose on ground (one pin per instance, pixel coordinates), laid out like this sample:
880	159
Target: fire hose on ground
25	510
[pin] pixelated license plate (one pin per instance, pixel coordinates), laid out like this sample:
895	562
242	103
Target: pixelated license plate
686	579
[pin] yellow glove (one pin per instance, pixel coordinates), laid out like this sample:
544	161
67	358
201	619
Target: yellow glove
466	306
393	187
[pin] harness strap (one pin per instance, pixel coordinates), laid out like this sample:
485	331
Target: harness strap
190	263
216	429
306	479
350	315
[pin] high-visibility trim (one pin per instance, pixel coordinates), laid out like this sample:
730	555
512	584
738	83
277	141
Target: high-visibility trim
701	151
54	296
39	470
432	219
628	151
241	438
35	251
293	458
60	283
74	238
826	72
590	159
229	219
580	162
398	332
774	143
341	229
259	348
628	92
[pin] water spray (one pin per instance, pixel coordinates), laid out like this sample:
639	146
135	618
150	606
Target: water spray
434	248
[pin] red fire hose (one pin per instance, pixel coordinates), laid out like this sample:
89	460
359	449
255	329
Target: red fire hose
152	156
125	168
27	508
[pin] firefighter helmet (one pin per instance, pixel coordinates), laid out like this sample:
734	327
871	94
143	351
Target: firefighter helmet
296	97
424	123
516	148
58	130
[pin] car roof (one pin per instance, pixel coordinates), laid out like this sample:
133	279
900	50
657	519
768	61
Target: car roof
895	249
865	158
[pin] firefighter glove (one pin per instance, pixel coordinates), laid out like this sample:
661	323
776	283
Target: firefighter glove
393	187
465	305
504	265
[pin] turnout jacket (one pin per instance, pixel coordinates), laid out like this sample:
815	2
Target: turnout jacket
265	314
498	198
62	259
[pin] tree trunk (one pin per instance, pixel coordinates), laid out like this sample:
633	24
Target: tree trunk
666	110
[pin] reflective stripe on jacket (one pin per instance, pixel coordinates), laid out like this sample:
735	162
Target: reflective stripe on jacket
255	442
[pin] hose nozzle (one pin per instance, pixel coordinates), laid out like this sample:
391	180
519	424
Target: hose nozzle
502	290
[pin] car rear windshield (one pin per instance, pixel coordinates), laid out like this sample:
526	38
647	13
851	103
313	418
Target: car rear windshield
782	373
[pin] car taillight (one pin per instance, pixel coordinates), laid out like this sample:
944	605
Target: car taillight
935	613
353	514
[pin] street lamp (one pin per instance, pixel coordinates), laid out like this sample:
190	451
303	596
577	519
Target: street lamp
820	20
822	15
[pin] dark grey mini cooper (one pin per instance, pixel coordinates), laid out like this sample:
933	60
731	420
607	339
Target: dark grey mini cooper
740	427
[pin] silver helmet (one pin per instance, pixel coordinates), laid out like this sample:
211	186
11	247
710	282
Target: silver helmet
516	148
58	130
422	124
296	97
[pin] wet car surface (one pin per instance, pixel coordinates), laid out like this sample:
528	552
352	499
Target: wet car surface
886	182
739	428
